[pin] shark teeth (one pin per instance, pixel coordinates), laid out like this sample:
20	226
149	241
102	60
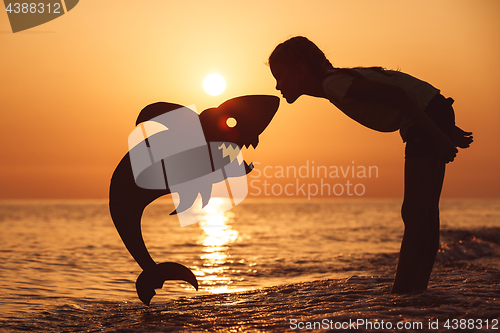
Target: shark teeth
232	150
255	142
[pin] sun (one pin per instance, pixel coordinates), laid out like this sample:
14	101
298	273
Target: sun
214	84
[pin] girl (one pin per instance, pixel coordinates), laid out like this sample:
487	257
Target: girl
386	101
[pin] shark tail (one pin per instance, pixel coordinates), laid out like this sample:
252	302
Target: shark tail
153	278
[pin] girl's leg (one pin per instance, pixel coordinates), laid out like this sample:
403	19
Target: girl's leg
420	212
424	271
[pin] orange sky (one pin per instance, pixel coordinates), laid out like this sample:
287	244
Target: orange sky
71	89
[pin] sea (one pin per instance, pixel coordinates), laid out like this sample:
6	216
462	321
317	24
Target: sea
266	265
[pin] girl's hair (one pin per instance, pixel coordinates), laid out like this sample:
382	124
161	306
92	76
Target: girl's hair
300	50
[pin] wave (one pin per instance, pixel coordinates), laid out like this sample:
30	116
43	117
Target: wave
455	297
466	245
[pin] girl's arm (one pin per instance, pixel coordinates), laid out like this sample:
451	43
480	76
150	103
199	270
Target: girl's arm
365	89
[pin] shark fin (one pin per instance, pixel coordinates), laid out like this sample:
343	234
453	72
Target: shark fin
206	193
186	200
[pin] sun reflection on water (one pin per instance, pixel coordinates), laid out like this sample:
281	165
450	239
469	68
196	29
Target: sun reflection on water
218	235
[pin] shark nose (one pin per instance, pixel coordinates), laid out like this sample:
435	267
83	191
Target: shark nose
252	114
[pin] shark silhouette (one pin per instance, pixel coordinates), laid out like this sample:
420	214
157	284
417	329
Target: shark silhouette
127	200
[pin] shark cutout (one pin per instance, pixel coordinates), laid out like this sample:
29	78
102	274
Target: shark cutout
127	200
171	149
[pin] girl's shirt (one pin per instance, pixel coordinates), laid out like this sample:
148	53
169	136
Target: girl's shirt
378	115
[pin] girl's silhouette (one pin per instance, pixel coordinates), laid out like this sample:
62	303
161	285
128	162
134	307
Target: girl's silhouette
386	101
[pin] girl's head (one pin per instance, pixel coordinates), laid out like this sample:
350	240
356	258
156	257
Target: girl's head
294	63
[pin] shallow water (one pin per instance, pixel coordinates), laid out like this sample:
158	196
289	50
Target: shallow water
64	267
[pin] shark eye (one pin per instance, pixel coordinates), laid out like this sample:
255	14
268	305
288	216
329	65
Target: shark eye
231	122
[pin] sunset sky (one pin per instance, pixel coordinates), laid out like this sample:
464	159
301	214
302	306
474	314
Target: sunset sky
71	89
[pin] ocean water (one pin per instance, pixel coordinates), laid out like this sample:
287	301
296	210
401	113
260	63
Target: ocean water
260	266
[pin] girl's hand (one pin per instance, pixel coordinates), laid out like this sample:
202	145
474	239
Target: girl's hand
445	147
461	138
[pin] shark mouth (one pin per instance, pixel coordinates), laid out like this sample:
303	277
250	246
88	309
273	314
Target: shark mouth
230	153
232	150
